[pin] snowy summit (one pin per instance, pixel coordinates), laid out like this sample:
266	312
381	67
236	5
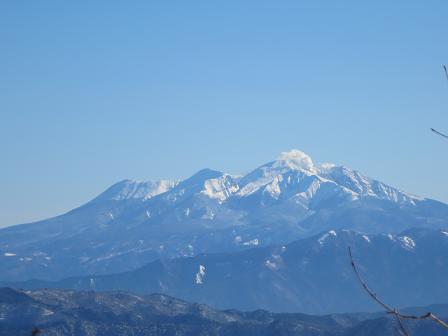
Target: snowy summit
132	223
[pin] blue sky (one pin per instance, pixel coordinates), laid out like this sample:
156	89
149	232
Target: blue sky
92	92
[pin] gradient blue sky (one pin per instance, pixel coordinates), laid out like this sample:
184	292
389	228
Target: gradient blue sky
92	92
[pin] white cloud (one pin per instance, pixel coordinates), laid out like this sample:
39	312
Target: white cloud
296	159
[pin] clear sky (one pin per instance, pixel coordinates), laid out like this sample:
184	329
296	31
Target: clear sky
92	92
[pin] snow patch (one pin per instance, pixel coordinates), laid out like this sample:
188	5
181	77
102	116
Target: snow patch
390	237
322	239
200	275
92	284
326	167
273	188
47	312
129	189
253	242
407	242
366	238
159	187
220	188
271	265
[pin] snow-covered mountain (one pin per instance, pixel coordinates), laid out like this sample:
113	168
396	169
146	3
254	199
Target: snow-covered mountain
132	223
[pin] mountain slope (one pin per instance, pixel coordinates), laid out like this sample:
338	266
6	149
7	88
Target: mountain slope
312	275
133	223
59	313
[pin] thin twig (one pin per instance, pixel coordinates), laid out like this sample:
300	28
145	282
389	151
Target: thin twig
402	329
439	133
432	129
393	311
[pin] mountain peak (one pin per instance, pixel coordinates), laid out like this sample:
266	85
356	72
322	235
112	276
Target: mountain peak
203	175
130	189
296	160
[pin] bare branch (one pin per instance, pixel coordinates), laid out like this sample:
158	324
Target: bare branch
393	311
439	133
402	330
363	283
432	129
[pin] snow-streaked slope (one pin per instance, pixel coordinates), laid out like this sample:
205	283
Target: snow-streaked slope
294	173
132	223
311	275
128	189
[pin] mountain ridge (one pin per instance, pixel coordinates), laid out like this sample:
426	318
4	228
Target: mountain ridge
312	275
62	313
132	223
